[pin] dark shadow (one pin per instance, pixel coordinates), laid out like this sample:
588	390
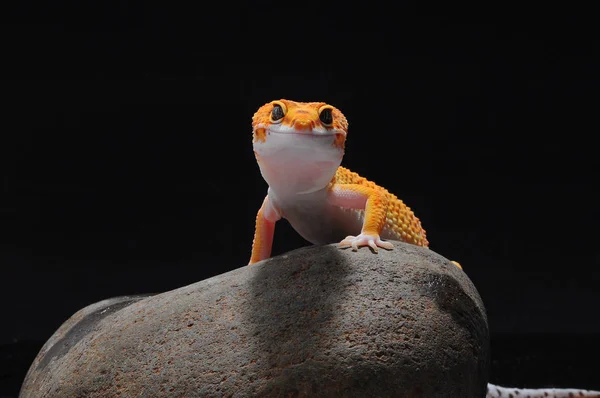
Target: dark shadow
450	297
86	324
294	298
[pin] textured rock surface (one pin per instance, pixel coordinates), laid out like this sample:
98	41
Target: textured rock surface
317	321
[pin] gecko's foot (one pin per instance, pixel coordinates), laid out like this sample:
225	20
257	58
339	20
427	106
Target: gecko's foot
373	241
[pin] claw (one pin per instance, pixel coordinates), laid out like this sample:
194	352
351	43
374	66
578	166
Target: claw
373	245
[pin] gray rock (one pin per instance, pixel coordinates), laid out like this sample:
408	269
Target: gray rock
318	321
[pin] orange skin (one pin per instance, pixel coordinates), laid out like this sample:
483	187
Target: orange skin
302	115
299	155
300	162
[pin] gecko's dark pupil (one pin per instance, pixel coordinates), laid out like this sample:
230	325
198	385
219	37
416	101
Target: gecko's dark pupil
326	116
277	112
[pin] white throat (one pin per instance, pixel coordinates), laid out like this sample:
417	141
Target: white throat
295	163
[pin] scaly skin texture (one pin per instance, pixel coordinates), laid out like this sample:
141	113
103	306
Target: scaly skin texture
396	218
298	130
299	147
262	118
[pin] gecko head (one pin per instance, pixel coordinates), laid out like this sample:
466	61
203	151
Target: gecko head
298	139
316	119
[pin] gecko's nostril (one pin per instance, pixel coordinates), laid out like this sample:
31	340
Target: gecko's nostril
303	124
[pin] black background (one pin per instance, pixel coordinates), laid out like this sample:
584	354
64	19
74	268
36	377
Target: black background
127	162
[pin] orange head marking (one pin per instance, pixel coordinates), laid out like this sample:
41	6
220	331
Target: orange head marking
316	118
298	145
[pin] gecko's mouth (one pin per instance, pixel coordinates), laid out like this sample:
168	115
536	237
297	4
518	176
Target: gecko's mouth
305	133
311	133
285	138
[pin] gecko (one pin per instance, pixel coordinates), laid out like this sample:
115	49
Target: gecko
299	148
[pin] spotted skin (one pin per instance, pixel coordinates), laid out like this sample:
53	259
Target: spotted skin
396	221
299	148
494	391
299	152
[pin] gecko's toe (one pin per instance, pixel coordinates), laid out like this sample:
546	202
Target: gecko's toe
347	242
373	245
373	241
385	245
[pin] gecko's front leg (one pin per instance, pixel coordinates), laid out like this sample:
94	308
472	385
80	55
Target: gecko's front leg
263	233
374	203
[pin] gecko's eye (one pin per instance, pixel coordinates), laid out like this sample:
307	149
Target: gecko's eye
277	113
325	115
